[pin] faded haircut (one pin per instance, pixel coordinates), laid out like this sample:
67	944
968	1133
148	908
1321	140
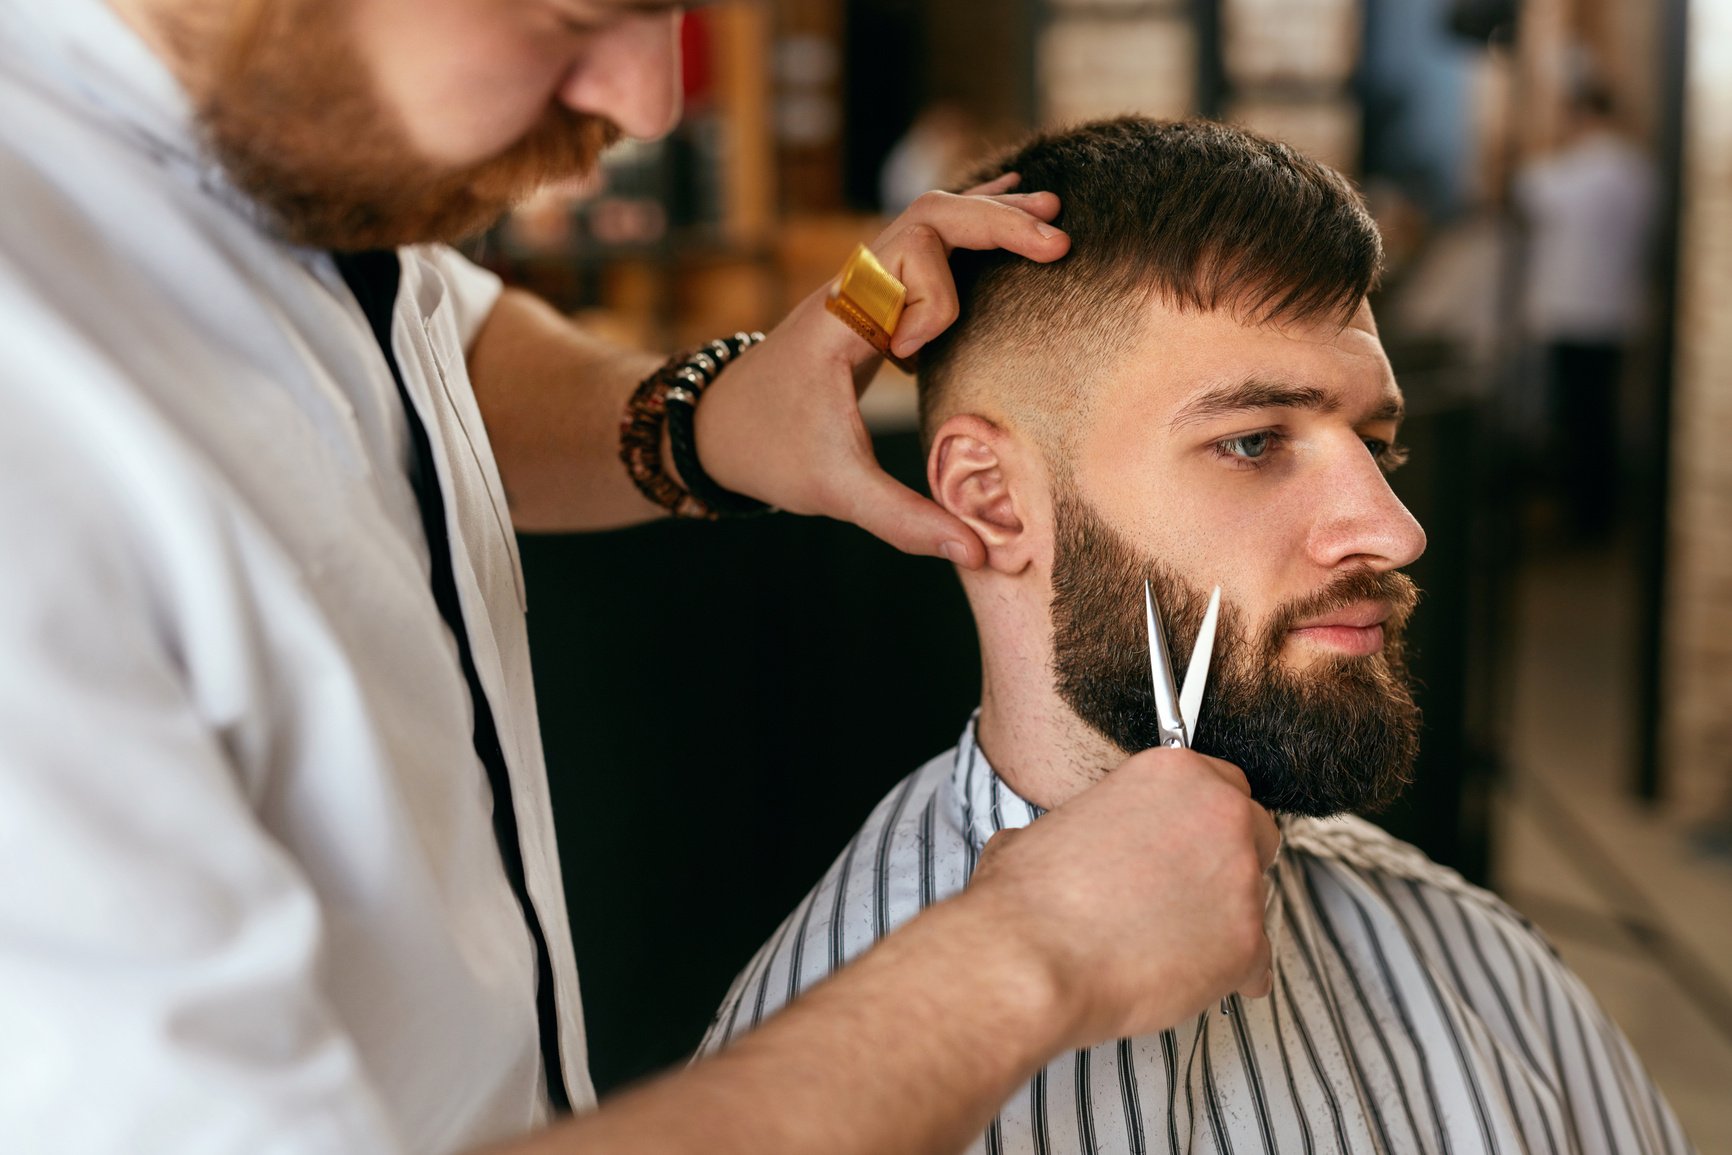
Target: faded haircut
1197	215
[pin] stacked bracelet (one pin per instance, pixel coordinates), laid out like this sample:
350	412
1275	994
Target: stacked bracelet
669	398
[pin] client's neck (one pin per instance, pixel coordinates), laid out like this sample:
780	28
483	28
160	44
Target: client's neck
1033	740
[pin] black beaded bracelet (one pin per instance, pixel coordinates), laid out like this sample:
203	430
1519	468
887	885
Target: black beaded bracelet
671	394
699	371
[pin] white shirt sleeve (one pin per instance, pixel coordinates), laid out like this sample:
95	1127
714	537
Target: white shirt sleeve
159	953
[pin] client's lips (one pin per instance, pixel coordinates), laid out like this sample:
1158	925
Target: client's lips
1356	629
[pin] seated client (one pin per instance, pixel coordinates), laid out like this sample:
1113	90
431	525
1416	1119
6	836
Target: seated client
1197	395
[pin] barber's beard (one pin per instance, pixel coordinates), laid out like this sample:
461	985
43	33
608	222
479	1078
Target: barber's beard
289	111
1340	735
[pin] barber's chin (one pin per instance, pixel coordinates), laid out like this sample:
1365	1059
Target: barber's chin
1334	641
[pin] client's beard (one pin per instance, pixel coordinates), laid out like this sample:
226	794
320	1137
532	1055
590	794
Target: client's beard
1340	736
288	109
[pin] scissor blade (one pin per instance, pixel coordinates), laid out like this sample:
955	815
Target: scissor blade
1167	717
1197	673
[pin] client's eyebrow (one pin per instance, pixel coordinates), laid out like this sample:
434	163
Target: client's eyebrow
1262	393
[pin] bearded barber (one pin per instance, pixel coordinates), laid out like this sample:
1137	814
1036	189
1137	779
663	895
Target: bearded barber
278	869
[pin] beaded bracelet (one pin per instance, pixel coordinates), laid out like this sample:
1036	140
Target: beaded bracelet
669	398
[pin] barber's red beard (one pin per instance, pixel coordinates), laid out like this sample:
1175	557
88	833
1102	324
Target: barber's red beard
1340	735
290	113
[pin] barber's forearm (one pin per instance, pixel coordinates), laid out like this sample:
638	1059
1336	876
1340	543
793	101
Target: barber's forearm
910	1049
551	397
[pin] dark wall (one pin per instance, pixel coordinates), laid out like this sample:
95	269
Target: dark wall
1444	812
722	705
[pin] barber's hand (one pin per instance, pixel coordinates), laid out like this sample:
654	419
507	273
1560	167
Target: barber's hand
783	423
1143	896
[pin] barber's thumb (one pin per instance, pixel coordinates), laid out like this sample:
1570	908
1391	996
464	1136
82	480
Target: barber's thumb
1262	975
998	844
889	510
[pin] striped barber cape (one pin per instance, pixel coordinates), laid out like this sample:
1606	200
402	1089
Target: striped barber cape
1411	1012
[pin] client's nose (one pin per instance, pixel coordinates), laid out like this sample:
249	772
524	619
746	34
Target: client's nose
1361	521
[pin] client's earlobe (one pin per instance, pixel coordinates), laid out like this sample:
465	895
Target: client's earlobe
973	472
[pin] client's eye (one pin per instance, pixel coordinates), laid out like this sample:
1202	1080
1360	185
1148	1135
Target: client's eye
1248	447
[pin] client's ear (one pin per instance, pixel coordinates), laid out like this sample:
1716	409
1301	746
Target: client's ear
989	479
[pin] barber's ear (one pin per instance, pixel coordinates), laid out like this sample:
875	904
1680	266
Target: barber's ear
988	478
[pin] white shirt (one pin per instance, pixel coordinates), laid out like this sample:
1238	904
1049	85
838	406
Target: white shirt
1412	1013
250	895
1590	213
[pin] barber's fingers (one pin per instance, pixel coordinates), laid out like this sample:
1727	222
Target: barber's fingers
918	254
890	511
931	305
1265	836
998	184
1014	221
1228	773
1264	977
1259	977
1268	838
916	247
997	844
1264	831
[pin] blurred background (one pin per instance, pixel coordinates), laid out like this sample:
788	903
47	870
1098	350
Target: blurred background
723	704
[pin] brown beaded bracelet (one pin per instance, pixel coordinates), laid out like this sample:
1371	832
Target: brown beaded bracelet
681	379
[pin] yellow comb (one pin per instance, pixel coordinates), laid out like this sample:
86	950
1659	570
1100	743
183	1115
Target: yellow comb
869	300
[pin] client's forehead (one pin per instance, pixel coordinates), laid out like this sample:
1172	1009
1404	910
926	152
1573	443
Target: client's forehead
1192	367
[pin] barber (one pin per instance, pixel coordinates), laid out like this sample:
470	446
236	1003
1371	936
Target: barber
277	870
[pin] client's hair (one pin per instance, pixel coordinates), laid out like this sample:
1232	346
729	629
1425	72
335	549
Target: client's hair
1199	215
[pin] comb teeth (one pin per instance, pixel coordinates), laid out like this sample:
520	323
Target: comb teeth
874	293
859	322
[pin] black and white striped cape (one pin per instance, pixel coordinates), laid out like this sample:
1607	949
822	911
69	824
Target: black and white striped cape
1412	1012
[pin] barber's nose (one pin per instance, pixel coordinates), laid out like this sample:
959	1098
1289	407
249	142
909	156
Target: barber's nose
1363	522
630	74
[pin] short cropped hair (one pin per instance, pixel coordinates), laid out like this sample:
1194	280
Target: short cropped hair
1198	215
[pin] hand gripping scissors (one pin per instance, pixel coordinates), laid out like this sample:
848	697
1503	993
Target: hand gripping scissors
1177	710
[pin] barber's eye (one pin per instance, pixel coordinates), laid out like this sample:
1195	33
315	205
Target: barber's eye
1251	446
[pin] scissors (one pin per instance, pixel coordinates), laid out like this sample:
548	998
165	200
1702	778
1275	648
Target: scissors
1177	710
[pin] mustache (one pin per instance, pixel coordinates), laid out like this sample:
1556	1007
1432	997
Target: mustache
1349	588
562	145
1184	606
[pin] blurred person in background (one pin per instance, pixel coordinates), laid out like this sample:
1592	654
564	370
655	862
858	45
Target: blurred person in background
1590	211
280	869
1209	402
